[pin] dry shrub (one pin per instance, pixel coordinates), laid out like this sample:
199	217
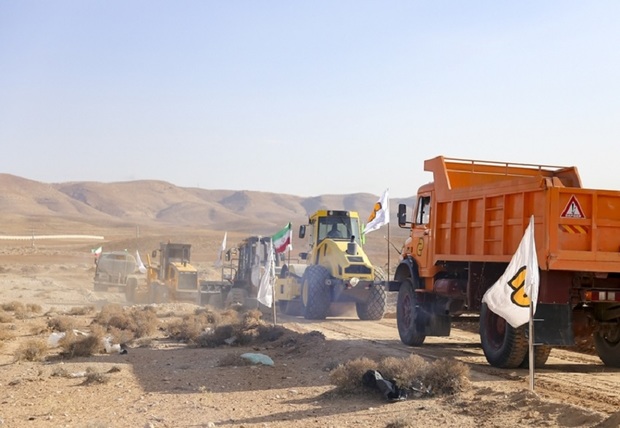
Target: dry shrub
446	376
399	423
6	317
348	377
403	370
34	308
233	360
81	310
38	328
120	336
74	345
13	306
191	327
31	350
95	377
141	321
62	323
442	377
6	334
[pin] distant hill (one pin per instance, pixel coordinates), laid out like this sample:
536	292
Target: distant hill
162	204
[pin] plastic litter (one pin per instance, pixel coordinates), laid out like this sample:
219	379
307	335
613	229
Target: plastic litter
258	359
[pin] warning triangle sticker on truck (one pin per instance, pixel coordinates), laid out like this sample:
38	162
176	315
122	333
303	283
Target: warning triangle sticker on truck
572	209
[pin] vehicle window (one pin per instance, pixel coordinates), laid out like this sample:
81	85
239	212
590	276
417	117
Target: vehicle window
423	215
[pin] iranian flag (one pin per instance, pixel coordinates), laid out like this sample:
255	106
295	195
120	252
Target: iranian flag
282	239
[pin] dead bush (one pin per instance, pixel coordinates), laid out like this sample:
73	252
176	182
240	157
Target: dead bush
81	310
38	328
6	334
77	345
6	317
61	323
348	377
121	336
13	306
31	350
403	370
399	423
95	377
141	321
442	377
446	376
34	308
190	327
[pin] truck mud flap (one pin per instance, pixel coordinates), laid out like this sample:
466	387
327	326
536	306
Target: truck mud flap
553	325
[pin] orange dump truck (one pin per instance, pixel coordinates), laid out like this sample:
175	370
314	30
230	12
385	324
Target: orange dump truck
465	228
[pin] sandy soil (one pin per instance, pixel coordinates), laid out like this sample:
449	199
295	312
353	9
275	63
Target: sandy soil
163	383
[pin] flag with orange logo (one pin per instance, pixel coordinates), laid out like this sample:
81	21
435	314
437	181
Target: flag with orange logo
380	214
510	296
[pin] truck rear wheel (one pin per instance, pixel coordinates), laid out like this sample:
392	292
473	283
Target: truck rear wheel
159	293
315	293
374	308
130	290
408	315
608	346
541	354
504	346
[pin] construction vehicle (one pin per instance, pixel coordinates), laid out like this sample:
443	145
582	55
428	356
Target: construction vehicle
336	269
467	225
115	269
172	279
246	264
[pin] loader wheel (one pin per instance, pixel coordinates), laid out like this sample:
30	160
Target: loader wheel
159	293
541	354
608	346
130	290
409	315
504	346
374	308
316	295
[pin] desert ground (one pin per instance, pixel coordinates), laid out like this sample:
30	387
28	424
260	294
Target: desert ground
165	381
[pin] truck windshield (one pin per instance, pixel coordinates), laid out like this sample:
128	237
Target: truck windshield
338	227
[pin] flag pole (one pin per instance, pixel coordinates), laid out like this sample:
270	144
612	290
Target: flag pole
531	345
388	253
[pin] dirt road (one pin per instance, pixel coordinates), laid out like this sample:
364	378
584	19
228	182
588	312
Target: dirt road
163	383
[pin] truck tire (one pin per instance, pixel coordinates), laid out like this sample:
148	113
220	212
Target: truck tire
504	346
608	347
409	316
541	354
130	290
316	295
100	287
374	308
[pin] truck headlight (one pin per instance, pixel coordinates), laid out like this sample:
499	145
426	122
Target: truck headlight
354	281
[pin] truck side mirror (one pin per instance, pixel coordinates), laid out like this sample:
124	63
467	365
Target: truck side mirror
402	215
228	255
302	231
303	256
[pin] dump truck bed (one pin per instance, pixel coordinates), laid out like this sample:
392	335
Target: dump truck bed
483	208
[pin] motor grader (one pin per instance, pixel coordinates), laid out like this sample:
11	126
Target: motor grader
336	269
172	279
246	263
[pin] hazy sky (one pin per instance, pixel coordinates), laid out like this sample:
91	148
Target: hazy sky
305	97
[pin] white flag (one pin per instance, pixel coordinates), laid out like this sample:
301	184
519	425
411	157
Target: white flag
380	214
220	256
141	266
510	296
265	288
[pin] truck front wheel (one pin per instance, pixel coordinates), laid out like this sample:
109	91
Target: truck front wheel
409	315
130	290
504	346
315	293
374	308
607	346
